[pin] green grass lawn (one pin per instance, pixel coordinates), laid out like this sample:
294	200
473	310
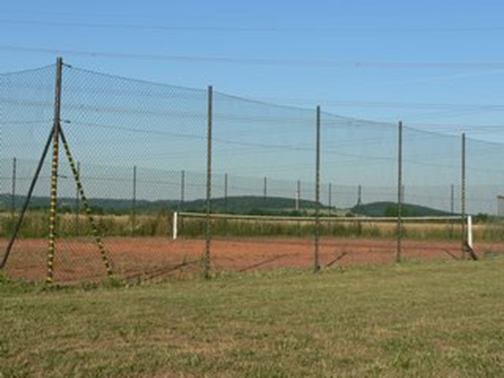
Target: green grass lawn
438	319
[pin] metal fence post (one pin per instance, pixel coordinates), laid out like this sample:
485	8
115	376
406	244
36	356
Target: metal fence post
463	194
316	265
24	208
452	199
265	190
133	204
77	204
54	174
14	174
225	202
182	190
399	195
329	199
298	195
226	193
208	233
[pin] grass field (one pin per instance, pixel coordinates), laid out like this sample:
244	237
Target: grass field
36	225
431	319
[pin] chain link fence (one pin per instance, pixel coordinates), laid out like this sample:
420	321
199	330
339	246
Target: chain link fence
186	181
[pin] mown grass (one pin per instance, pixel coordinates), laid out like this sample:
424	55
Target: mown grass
441	319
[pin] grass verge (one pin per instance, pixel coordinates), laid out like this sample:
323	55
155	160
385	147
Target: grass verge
440	319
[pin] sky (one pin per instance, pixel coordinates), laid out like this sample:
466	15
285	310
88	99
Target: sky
435	65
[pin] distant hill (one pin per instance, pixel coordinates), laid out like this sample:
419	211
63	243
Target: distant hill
389	209
233	205
98	204
249	204
237	205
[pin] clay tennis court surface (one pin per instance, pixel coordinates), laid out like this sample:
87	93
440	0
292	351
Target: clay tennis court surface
133	258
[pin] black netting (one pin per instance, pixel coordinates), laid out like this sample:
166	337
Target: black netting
141	153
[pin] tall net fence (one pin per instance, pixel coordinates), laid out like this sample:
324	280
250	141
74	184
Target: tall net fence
172	174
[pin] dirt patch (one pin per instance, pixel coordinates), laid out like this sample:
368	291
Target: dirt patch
80	259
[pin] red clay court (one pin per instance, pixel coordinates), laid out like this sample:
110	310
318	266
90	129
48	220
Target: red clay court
151	257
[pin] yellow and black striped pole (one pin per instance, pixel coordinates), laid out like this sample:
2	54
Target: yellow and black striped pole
87	208
54	175
52	212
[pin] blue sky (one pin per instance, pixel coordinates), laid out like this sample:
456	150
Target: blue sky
436	65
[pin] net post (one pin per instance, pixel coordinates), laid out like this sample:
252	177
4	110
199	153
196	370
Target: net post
175	225
500	206
469	232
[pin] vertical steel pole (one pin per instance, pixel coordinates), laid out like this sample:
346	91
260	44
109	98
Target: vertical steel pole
225	202
298	195
225	193
265	190
77	204
452	207
24	208
463	195
331	228
14	174
182	190
208	234
452	199
316	265
399	195
54	174
330	198
133	205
